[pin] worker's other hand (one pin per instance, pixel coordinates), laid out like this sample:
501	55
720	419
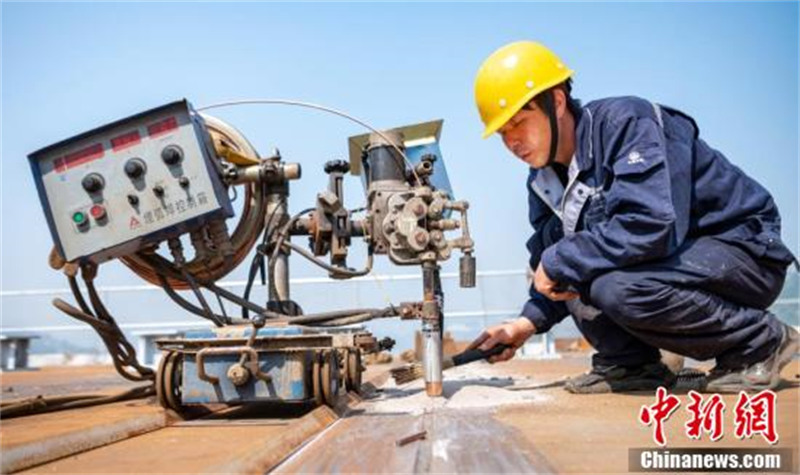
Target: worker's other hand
548	287
513	334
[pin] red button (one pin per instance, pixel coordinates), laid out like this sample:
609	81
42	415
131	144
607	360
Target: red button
97	212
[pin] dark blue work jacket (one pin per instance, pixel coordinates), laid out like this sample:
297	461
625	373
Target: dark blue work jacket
641	184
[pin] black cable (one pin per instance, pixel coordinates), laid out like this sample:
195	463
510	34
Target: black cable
166	270
345	317
258	260
200	298
240	301
122	351
111	336
222	308
40	404
166	267
76	292
183	303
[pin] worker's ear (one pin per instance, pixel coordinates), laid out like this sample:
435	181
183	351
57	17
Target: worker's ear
560	100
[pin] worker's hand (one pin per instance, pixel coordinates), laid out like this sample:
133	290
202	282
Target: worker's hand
548	287
513	334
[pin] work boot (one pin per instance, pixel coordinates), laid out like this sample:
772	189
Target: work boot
608	379
759	376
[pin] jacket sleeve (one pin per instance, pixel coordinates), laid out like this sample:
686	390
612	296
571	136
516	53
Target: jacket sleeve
547	229
640	219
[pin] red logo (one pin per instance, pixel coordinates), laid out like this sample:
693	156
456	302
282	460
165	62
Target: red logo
752	415
756	415
658	413
705	417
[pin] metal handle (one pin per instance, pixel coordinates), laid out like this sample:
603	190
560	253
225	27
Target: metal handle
251	364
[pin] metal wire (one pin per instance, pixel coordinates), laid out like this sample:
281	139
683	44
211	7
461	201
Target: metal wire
341	271
282	235
310	105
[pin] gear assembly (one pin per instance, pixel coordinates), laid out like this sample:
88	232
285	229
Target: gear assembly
166	176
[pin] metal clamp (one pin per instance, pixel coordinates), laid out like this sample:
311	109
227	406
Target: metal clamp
251	364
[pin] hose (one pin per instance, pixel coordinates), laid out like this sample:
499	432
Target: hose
341	271
122	353
41	404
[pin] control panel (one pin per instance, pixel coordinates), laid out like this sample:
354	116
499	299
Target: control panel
134	182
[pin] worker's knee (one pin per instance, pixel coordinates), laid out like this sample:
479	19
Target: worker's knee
605	293
625	296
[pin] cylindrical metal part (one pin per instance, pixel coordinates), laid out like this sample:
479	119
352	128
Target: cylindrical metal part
249	174
278	266
292	171
432	324
358	228
466	271
432	344
382	160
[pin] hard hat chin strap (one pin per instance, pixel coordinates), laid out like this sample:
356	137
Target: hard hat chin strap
550	109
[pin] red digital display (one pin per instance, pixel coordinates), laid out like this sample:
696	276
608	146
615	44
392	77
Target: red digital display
126	140
162	127
84	155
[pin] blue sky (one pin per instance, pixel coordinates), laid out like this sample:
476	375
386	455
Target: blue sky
68	67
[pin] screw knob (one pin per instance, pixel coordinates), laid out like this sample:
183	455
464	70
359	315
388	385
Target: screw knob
93	182
135	168
340	166
172	155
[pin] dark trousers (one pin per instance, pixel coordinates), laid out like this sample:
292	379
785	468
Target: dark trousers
706	301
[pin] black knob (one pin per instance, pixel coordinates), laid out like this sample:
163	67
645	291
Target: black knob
93	182
340	166
184	182
133	200
172	155
158	190
135	168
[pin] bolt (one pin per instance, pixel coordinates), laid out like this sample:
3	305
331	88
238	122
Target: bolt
238	374
419	210
420	237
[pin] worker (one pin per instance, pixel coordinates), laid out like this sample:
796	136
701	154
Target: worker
649	237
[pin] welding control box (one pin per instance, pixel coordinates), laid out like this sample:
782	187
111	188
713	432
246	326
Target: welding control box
137	181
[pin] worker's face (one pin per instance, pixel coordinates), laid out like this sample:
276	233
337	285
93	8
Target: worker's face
527	136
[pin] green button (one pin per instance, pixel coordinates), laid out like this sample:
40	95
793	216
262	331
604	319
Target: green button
79	217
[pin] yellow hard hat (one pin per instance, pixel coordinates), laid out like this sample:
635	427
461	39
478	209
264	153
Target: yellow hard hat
512	76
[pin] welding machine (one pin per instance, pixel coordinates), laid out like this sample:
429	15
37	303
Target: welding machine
149	188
